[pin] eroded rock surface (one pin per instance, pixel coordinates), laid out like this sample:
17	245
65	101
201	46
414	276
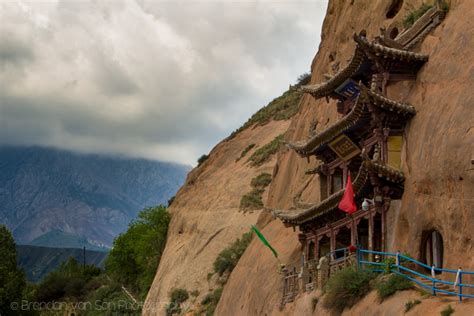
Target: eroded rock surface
436	160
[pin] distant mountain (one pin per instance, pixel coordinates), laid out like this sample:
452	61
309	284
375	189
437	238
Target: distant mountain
57	198
39	261
50	239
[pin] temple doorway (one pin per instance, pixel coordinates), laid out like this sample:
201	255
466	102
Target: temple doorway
377	238
343	240
311	250
363	233
324	246
432	248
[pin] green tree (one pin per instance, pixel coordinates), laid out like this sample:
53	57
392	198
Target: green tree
136	253
12	279
69	280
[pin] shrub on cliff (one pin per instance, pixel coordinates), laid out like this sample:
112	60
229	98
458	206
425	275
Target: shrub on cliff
303	79
262	154
282	108
245	151
228	258
211	300
414	15
447	311
136	253
201	159
177	296
253	199
393	284
346	288
261	181
410	304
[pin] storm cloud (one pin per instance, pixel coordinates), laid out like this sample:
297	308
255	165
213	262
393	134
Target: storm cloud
160	80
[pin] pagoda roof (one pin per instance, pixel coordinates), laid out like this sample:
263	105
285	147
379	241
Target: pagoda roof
323	89
305	148
390	105
364	52
385	171
359	111
301	216
376	49
312	212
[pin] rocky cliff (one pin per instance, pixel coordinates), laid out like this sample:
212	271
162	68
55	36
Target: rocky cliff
436	159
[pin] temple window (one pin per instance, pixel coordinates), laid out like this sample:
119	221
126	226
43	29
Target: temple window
394	148
336	181
323	186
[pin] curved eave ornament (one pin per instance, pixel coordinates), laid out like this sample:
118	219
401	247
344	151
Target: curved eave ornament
298	217
308	147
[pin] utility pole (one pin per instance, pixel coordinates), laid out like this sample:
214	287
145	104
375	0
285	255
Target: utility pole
84	261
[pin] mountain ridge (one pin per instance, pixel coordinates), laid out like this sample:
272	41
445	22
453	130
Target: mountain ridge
87	195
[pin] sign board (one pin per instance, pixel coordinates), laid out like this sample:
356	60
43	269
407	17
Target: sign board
344	147
348	89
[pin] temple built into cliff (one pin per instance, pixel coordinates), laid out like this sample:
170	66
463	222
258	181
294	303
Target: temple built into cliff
365	143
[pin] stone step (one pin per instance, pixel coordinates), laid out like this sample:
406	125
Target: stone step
429	283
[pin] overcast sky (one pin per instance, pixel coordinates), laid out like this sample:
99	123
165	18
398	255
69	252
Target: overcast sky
162	80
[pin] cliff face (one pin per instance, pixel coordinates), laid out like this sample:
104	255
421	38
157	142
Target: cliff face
436	160
436	157
206	216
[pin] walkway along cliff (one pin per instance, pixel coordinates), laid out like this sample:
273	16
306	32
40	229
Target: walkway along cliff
395	111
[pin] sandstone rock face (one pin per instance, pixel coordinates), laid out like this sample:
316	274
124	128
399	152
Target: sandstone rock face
206	216
436	160
436	157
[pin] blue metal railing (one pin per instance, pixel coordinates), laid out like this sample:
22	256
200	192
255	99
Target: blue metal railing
338	253
401	270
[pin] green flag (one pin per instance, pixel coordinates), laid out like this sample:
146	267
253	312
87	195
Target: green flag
264	241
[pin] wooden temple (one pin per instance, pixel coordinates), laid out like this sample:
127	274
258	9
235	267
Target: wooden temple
365	143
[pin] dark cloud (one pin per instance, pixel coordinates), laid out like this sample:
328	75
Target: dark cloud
163	80
14	51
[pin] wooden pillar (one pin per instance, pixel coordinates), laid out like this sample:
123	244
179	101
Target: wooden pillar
344	175
385	79
384	155
371	233
353	231
383	227
329	182
316	249
332	241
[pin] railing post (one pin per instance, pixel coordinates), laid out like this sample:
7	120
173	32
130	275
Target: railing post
460	285
434	281
358	259
397	262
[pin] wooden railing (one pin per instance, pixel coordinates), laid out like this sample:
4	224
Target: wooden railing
313	273
290	286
